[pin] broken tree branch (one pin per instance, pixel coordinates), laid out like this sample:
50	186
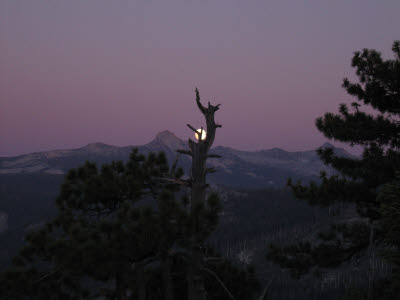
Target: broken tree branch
47	275
214	156
173	168
184	182
220	282
200	106
187	152
211	170
191	127
266	289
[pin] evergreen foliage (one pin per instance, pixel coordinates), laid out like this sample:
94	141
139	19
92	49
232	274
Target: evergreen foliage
119	233
365	182
389	197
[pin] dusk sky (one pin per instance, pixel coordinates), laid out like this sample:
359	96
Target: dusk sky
119	72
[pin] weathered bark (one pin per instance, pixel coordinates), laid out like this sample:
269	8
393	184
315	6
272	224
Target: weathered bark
141	282
196	290
120	288
167	278
199	154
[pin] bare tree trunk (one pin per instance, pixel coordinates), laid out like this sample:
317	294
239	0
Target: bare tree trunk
195	280
167	278
199	153
371	260
141	282
371	238
196	290
120	288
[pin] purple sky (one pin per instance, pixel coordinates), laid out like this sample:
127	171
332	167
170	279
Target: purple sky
118	72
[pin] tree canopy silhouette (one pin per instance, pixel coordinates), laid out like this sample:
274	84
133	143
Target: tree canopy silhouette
359	180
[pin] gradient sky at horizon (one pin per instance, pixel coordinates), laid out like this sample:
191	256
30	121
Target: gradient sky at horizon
118	72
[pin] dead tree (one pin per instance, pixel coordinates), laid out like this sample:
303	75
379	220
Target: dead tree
197	182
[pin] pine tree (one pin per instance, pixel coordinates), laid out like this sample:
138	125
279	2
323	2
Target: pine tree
389	197
103	237
358	181
122	232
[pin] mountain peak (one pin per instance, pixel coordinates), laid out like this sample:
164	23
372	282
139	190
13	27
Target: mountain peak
169	139
166	134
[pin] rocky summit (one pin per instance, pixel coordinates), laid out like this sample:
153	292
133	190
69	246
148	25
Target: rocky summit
245	169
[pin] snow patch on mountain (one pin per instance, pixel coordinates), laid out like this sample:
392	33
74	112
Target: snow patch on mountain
234	168
97	148
57	153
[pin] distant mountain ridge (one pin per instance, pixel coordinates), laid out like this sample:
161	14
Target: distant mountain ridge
237	168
